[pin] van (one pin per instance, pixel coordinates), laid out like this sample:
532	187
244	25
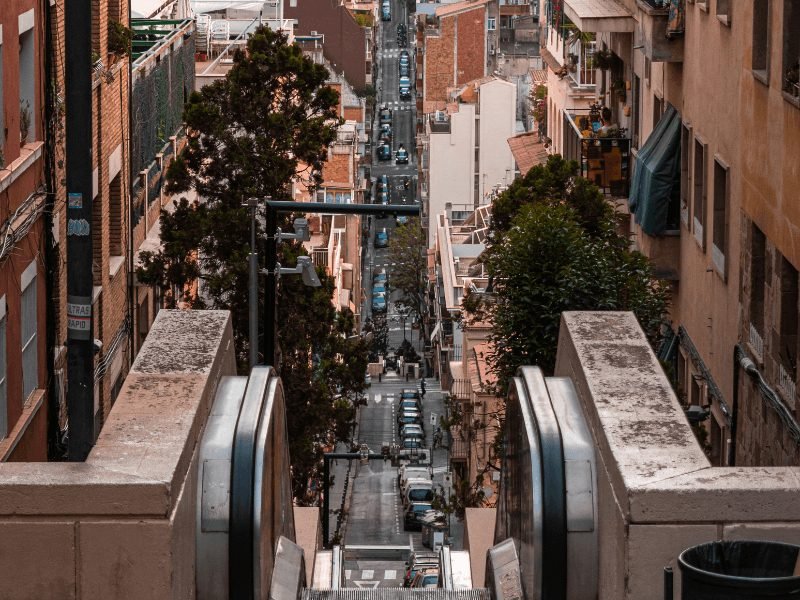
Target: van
418	490
386	11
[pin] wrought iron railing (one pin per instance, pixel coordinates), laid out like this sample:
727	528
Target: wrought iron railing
461	389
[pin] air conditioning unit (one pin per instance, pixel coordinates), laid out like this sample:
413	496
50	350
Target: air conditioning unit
440	116
314	33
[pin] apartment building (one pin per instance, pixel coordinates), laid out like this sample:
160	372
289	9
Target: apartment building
465	155
26	195
346	32
706	95
456	44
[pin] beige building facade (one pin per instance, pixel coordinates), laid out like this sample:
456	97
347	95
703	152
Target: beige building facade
718	81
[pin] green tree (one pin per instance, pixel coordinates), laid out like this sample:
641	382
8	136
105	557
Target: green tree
407	254
268	122
554	248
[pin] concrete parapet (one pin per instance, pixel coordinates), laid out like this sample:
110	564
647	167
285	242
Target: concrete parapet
657	492
122	524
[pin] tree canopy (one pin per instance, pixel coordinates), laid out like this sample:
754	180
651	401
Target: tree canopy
554	247
407	254
268	122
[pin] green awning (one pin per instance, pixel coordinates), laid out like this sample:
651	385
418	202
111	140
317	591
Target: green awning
657	171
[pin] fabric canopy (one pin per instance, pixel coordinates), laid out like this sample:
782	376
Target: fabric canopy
657	171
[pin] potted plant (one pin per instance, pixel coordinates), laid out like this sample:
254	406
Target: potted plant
24	121
619	88
119	38
603	60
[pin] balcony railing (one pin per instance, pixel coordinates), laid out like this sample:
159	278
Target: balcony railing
756	342
604	160
459	444
787	386
461	389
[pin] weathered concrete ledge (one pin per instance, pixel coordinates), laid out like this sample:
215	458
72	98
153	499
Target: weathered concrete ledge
657	492
122	524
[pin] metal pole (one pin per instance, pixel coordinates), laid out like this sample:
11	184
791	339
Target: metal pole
668	589
325	501
80	336
252	203
270	296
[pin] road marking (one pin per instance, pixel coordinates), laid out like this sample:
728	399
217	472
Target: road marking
367	573
347	573
377	398
367	584
390	574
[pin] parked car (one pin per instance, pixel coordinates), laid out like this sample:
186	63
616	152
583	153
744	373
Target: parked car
405	87
411	430
406	472
420	560
380	278
405	70
401	29
386	133
378	288
379	304
386	11
408	417
401	156
401	41
409	404
418	490
378	271
428	578
382	197
413	513
381	238
404	55
412	444
385	115
409	393
384	152
401	220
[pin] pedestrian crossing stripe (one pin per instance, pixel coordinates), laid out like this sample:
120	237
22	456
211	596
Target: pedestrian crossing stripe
371	585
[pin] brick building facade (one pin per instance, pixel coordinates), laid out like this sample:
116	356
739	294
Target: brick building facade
111	263
456	49
23	199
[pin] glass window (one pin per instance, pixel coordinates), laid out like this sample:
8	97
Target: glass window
761	38
29	334
3	369
699	196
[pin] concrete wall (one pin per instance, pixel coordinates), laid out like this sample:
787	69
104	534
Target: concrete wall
452	165
497	124
657	492
122	524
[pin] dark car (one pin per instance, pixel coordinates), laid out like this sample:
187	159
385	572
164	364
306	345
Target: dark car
382	197
401	29
405	70
401	41
385	115
413	513
401	156
385	152
379	304
386	131
381	239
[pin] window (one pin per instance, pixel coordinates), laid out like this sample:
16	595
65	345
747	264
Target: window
791	50
658	109
637	111
27	78
758	258
491	24
686	145
699	199
787	351
2	106
3	370
29	337
724	11
115	225
760	64
720	225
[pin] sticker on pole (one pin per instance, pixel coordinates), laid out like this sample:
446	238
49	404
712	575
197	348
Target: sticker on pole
75	200
79	317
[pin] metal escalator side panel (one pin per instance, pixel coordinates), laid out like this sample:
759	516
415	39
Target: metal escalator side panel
580	470
273	514
520	511
554	518
213	490
240	551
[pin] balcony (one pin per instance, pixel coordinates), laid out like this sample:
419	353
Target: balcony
461	389
660	38
604	160
459	444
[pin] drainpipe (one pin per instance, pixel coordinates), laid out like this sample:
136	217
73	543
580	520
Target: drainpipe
740	361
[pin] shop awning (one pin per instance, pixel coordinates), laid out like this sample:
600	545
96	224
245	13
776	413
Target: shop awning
599	16
657	171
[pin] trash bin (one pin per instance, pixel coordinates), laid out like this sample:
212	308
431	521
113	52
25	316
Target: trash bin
742	569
